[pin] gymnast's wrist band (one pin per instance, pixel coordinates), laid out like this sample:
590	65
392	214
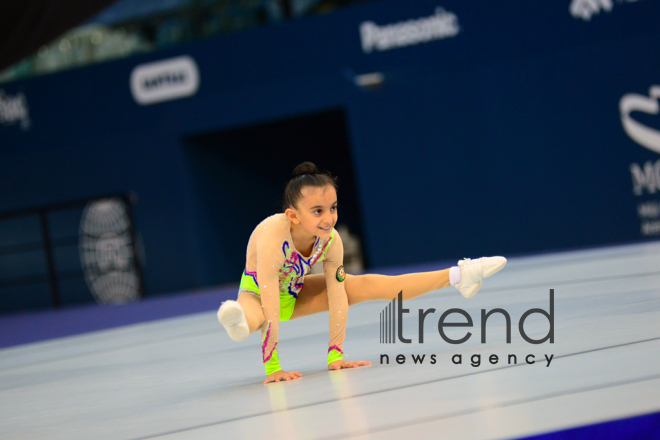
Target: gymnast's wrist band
272	360
273	364
334	354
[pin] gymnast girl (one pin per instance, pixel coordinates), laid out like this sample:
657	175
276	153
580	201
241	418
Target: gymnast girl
276	286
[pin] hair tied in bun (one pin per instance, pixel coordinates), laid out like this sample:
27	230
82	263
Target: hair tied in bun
305	174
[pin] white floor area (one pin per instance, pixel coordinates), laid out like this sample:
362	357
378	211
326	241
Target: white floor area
184	378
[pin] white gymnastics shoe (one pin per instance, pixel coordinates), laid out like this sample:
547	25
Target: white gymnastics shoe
232	317
473	271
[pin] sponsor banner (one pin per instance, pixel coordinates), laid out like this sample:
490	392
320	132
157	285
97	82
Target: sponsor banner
164	80
519	98
440	25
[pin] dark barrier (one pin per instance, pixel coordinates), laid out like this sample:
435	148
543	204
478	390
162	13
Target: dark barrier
69	253
472	128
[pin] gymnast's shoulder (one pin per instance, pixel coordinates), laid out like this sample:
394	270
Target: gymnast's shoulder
274	225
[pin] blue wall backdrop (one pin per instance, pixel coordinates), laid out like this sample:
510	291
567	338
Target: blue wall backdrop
504	138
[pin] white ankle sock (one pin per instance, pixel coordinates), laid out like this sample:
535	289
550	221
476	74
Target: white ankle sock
454	275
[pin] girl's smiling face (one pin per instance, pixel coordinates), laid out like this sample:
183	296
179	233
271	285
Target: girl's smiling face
317	210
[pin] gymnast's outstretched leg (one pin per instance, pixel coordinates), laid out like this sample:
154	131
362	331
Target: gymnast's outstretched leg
313	297
371	287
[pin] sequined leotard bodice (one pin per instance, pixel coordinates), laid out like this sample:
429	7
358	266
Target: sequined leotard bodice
294	267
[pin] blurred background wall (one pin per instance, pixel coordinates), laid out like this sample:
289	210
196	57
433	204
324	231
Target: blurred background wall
458	129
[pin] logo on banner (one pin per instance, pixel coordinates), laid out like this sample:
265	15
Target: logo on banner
14	110
438	26
165	80
645	136
645	177
106	252
585	9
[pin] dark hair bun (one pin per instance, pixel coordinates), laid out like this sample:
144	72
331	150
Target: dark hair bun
305	174
305	168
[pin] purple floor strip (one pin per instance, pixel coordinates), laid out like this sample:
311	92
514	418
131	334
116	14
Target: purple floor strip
27	327
646	427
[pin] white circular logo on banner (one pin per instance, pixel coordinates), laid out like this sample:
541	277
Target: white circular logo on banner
106	252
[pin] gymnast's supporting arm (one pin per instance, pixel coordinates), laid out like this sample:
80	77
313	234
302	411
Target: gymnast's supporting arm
337	299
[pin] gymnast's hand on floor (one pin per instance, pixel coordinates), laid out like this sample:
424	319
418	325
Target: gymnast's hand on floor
282	375
338	365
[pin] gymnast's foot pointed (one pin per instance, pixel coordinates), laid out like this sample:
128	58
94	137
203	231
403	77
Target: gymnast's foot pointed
467	276
232	317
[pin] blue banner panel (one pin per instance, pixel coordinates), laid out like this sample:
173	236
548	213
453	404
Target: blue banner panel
474	128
